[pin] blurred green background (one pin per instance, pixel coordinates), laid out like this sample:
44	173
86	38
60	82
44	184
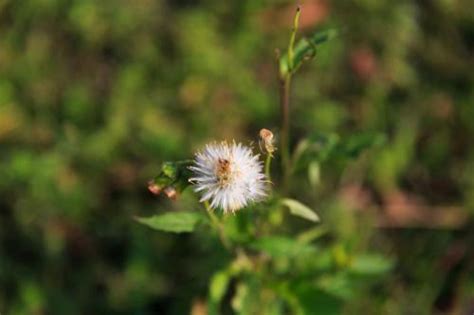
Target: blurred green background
94	95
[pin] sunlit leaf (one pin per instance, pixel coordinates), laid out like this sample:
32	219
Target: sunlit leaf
370	264
176	222
314	173
218	285
279	246
300	210
312	234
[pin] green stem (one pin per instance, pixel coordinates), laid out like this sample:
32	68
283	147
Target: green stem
268	162
285	85
217	224
285	128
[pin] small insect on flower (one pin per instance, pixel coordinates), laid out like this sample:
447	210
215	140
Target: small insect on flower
230	176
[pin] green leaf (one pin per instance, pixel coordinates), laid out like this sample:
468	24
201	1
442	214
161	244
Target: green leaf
312	234
304	298
326	145
304	49
300	210
280	246
318	302
356	144
248	298
174	175
338	284
218	286
319	148
314	173
370	265
170	170
176	222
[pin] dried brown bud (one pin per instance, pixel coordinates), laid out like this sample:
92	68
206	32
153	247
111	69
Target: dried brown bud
171	193
154	188
266	137
266	134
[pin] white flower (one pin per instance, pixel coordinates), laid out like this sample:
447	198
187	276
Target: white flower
228	175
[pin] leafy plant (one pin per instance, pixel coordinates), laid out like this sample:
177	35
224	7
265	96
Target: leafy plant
270	270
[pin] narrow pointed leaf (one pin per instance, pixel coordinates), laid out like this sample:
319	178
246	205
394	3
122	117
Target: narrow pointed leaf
300	210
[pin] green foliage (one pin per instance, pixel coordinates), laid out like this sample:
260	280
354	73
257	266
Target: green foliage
370	264
174	175
304	50
300	210
314	173
95	95
307	299
218	287
280	246
322	147
177	222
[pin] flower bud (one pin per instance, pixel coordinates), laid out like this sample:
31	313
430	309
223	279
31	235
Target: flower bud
154	188
266	138
171	193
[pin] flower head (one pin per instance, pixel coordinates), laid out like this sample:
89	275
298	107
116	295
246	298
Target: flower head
230	176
